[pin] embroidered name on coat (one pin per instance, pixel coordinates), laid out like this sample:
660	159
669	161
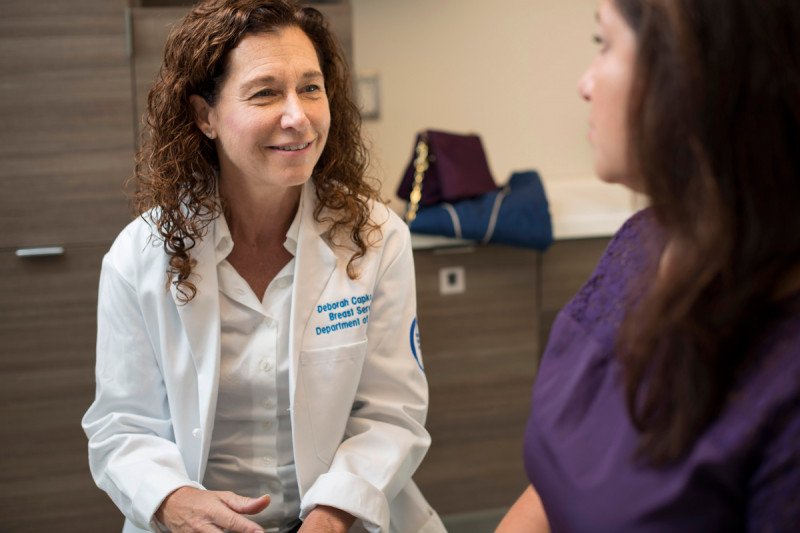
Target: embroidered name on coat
340	315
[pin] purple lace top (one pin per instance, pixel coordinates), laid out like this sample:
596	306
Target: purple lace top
743	474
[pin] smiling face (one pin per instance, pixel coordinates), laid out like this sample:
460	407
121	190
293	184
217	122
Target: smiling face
606	85
270	119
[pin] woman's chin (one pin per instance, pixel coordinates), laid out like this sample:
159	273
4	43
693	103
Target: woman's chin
617	178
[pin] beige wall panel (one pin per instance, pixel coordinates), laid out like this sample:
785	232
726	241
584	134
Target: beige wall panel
506	69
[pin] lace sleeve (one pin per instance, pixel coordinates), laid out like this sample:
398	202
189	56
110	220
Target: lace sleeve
620	276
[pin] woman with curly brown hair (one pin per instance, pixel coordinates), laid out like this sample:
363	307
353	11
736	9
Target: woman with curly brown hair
668	397
256	349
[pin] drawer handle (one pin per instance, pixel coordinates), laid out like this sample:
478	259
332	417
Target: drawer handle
43	251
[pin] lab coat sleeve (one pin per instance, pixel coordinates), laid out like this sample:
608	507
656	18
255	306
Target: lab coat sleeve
385	439
132	453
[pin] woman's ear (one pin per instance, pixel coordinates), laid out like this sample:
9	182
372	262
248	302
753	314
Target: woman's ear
202	115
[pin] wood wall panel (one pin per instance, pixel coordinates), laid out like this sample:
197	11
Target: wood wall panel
47	324
22	18
150	27
340	18
27	54
66	145
479	350
52	112
70	197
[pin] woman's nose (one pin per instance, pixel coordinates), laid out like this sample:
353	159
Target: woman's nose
294	115
585	85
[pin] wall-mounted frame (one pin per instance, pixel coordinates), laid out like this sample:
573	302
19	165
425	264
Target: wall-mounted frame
369	95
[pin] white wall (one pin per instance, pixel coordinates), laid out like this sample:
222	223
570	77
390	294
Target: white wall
506	69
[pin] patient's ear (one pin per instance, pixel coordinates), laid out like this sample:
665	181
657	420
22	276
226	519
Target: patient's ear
203	113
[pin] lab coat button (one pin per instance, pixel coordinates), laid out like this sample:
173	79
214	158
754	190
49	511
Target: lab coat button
196	432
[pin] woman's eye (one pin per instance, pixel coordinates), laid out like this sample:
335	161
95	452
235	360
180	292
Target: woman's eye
599	41
264	93
312	89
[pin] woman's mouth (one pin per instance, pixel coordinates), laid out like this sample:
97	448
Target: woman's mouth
292	147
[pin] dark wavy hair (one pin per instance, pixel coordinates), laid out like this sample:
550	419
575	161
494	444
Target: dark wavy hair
176	167
714	122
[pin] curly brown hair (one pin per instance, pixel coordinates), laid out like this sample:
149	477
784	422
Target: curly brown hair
176	167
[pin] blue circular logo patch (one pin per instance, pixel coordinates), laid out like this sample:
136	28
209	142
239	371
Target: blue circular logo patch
414	341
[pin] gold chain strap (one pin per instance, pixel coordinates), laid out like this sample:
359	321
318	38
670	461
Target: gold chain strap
420	166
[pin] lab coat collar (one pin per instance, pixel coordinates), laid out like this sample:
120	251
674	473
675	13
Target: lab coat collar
315	261
223	241
293	233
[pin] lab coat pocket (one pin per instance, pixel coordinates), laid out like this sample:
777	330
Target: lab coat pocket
330	377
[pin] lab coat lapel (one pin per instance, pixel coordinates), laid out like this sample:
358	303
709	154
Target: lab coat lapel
201	323
315	262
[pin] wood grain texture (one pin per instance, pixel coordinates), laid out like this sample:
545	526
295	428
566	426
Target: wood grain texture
64	198
67	140
479	350
47	327
66	147
150	27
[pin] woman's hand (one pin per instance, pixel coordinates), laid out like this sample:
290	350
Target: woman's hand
324	519
191	510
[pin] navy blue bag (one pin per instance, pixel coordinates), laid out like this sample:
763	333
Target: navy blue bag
516	214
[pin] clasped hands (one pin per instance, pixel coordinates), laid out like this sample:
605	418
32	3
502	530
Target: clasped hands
191	510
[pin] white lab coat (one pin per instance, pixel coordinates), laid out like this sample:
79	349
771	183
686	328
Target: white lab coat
358	394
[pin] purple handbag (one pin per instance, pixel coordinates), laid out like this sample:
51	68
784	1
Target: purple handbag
445	167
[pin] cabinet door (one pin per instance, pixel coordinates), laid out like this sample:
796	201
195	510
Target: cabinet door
479	349
47	328
66	144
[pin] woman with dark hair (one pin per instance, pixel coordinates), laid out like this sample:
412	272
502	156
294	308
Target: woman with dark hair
668	398
256	324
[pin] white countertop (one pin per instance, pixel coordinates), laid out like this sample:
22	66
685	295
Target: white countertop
426	242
